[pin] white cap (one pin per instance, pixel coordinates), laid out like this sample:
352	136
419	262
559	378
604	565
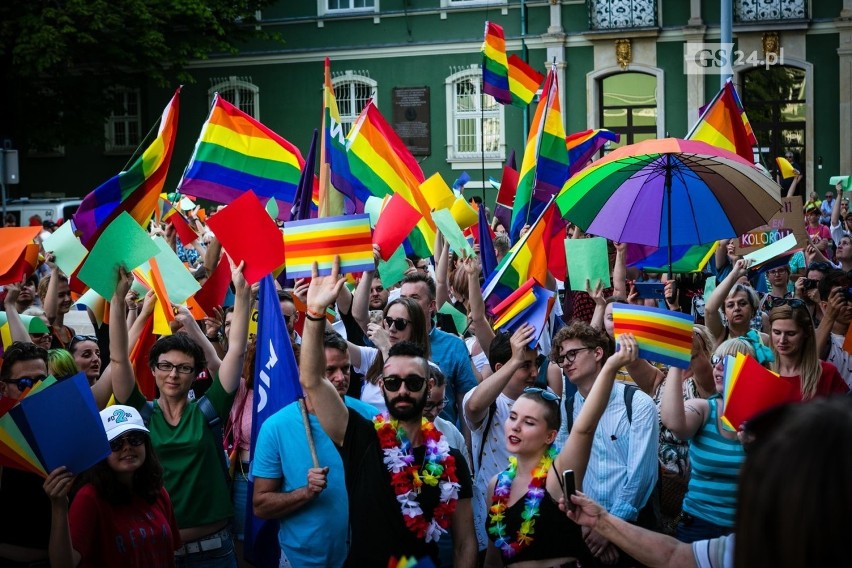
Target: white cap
118	419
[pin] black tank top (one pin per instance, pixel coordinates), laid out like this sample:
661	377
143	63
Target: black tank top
555	536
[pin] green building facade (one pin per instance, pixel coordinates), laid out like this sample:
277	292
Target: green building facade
627	65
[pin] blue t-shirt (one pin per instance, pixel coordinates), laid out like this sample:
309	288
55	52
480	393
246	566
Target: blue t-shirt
318	533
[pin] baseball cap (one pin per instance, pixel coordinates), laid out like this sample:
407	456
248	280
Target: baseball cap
118	419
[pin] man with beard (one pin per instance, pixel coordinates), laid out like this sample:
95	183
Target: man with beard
403	497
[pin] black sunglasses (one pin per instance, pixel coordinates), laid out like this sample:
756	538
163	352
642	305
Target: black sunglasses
792	302
135	439
413	383
78	338
545	394
24	382
399	323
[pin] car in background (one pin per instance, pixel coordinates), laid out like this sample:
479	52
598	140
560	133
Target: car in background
21	210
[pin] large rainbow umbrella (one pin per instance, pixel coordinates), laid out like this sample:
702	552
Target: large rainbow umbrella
669	192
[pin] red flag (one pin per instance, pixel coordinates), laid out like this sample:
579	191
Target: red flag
139	361
213	291
184	231
395	223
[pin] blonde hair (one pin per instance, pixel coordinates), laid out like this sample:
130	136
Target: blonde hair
810	370
705	338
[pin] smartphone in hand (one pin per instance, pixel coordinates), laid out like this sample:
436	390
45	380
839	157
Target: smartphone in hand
568	488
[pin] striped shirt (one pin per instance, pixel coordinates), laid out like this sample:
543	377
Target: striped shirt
715	460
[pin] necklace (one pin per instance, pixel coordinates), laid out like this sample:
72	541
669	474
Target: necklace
439	470
532	501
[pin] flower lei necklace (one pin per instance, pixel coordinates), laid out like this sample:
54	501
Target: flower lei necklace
532	501
439	469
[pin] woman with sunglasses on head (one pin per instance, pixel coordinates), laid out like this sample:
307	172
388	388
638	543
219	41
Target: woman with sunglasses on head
121	515
403	321
796	359
715	454
740	303
524	524
87	355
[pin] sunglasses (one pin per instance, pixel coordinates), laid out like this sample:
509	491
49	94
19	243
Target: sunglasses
545	394
413	383
136	439
792	302
24	383
78	338
569	355
399	323
820	266
294	317
438	406
716	359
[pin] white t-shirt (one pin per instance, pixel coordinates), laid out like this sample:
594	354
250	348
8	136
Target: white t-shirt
371	393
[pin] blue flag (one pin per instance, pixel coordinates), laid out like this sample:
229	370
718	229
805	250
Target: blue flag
276	384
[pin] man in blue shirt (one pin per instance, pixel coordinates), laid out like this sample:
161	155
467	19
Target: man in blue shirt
311	503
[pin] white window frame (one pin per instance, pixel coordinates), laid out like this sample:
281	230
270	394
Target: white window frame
465	160
324	10
110	145
352	80
465	3
231	89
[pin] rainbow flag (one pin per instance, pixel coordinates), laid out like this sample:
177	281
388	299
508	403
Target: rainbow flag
583	145
524	81
526	259
724	124
380	165
329	200
321	239
544	169
495	66
685	258
235	153
663	336
135	190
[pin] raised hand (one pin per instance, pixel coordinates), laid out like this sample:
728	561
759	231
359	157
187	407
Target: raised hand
520	340
241	287
323	290
628	350
58	484
122	285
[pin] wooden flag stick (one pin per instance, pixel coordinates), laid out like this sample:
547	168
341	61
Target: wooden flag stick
306	421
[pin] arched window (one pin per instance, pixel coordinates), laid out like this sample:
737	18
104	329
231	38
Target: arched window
474	122
628	105
353	89
774	101
239	91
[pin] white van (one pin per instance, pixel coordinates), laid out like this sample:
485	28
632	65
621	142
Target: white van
54	209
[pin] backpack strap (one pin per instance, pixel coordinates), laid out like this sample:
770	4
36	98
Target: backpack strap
214	422
492	410
147	411
629	393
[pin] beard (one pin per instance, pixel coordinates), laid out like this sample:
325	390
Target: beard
404	414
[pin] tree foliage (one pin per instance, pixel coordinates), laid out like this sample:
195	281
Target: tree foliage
61	60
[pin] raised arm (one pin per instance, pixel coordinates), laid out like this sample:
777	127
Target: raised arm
232	365
442	263
712	318
575	453
481	327
119	367
60	548
51	296
361	299
328	406
683	419
193	330
619	271
476	406
17	329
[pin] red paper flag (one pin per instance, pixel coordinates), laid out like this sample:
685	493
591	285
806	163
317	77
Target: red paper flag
757	389
213	291
184	231
139	361
248	234
395	223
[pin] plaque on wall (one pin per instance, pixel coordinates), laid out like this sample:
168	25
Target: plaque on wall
411	118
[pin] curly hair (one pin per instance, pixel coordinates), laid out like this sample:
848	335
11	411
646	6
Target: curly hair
585	334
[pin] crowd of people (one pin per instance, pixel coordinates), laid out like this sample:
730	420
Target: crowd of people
460	444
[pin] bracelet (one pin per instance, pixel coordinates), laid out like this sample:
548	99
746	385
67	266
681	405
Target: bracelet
313	317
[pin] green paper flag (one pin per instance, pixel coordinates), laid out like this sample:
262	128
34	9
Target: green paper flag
844	181
588	259
458	318
66	247
394	269
123	243
180	284
450	229
272	208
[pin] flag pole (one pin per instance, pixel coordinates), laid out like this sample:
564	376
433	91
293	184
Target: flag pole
541	129
307	422
482	127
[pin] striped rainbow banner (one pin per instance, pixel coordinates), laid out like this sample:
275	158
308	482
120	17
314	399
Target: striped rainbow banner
663	336
321	239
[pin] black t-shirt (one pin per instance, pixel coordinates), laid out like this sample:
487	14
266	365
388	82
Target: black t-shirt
24	510
378	529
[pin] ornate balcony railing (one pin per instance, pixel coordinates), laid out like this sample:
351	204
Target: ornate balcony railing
622	14
748	11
